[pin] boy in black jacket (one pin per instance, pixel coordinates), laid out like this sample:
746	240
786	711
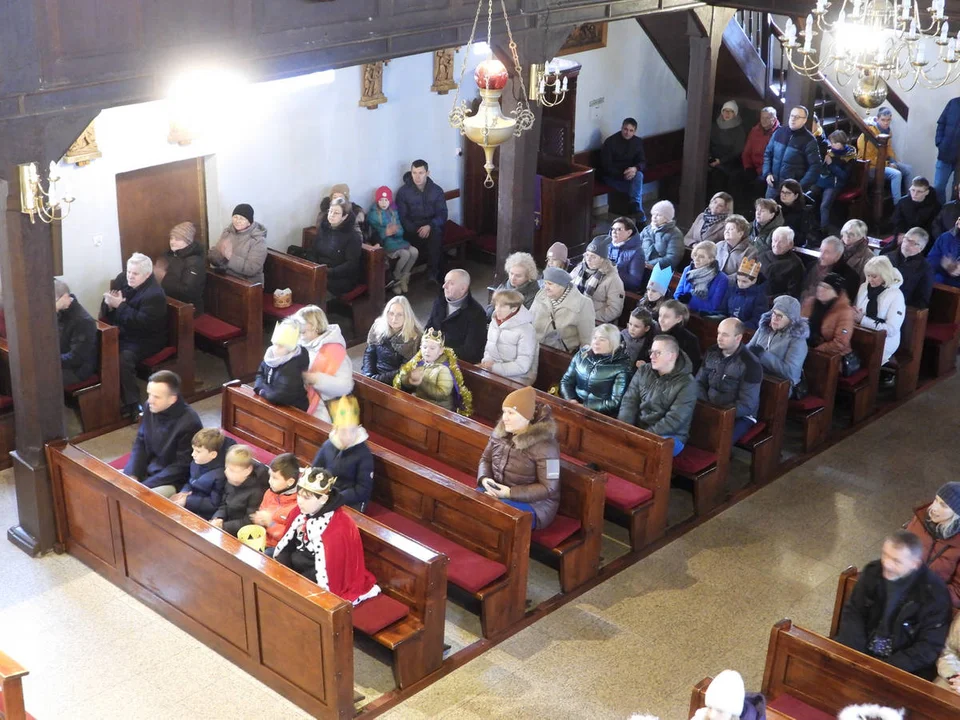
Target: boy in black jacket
280	377
203	492
246	484
346	455
920	209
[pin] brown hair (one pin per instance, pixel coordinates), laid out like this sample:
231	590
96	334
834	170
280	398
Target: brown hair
510	298
643	315
767	204
240	455
286	464
678	309
740	223
210	439
839	136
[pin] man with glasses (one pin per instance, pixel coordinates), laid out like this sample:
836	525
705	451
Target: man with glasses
663	393
907	257
791	154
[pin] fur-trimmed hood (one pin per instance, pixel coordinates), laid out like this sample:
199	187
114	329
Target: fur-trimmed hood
796	329
542	427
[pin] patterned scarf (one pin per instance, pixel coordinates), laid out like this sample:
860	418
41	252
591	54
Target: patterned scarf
586	280
700	278
556	303
709	219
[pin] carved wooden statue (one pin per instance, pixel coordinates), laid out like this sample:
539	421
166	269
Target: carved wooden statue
84	148
371	94
443	72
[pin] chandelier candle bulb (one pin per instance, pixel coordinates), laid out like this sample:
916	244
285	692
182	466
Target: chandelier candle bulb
921	55
808	33
952	50
906	15
944	31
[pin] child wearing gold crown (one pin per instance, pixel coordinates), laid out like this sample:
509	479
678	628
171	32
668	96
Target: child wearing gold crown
280	377
323	543
746	297
433	374
346	455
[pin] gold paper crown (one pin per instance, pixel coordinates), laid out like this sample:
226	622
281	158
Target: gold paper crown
435	335
316	480
749	267
345	412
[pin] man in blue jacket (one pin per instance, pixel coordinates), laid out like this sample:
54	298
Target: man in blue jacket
791	154
423	213
948	147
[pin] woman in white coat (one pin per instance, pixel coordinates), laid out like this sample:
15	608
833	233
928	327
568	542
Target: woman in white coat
330	374
880	304
512	349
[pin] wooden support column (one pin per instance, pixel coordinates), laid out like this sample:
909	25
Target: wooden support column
705	30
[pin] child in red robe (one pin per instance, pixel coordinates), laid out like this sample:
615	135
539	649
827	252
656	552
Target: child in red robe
323	543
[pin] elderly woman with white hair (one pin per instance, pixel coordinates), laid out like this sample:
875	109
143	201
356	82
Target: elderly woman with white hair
880	304
662	240
702	286
856	248
330	373
522	276
599	373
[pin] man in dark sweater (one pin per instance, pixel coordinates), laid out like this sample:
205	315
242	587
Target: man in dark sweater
162	451
782	268
899	611
731	375
423	214
907	257
461	318
622	163
919	209
78	336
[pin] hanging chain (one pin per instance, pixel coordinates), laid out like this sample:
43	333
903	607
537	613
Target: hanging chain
459	111
524	114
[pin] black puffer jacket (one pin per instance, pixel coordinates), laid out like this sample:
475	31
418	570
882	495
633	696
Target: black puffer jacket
186	275
241	501
161	450
339	248
688	343
384	356
661	404
421	207
792	155
78	340
282	382
352	465
142	318
733	380
597	381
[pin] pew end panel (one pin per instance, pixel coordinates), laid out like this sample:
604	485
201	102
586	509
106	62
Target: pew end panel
765	440
232	325
864	385
704	462
942	336
908	356
99	401
551	366
179	355
815	411
845	585
306	280
235	600
11	688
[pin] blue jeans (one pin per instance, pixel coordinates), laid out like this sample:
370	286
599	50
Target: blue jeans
826	205
677	445
632	188
941	180
894	173
526	507
740	428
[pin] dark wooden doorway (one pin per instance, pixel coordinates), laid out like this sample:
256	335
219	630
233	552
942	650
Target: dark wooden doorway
152	200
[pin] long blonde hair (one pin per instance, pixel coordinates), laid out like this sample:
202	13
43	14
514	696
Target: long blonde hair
411	328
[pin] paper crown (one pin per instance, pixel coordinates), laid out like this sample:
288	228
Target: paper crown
749	267
660	278
286	334
345	412
316	480
435	335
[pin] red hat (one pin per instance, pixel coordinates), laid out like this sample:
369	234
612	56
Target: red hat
383	192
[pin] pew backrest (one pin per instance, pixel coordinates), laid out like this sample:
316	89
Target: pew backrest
306	280
845	585
944	305
239	303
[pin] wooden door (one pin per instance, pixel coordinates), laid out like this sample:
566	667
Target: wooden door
152	200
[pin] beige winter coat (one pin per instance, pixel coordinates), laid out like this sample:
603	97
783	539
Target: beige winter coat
949	663
608	297
567	327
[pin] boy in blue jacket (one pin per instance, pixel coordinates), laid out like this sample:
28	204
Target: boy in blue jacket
746	297
203	492
280	377
839	160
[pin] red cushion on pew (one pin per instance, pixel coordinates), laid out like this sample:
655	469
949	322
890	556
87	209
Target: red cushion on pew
120	462
373	615
353	294
851	382
797	709
601	188
692	460
556	532
215	329
849	195
92	380
485	243
278	313
467	569
157	358
810	402
430	462
5	402
658	172
753	433
620	493
941	332
454	233
264	456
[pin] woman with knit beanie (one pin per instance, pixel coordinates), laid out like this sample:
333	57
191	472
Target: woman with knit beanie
242	247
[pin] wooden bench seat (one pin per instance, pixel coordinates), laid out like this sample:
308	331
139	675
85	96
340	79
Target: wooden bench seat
573	539
232	325
764	441
637	463
704	463
942	334
179	355
306	280
810	676
488	542
457	237
862	387
815	411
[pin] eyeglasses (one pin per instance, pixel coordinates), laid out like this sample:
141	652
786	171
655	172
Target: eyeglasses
616	229
797	117
778	314
658	353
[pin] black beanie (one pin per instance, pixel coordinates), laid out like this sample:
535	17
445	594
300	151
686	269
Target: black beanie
836	281
244	210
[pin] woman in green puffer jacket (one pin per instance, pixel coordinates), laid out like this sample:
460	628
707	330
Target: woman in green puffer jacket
599	373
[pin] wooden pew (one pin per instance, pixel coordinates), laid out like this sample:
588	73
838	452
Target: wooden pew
633	459
704	463
764	441
698	699
907	357
468	523
551	366
815	411
434	435
232	325
178	356
806	672
233	599
7	424
97	397
864	384
306	280
11	689
365	302
942	336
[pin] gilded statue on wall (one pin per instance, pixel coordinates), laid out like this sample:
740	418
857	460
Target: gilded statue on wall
371	91
443	72
84	149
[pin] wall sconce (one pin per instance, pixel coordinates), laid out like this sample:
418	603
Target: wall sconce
544	78
50	204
